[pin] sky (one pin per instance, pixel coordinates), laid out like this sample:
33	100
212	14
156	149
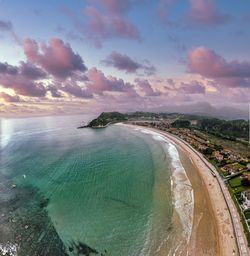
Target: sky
76	56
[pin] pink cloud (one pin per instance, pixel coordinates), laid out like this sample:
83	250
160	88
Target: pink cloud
208	63
103	26
109	19
205	12
57	58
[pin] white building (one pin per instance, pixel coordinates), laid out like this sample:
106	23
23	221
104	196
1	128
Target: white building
246	199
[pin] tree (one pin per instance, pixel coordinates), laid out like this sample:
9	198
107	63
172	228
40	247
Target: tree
245	182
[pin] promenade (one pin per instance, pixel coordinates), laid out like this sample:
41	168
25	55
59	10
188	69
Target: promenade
242	243
237	227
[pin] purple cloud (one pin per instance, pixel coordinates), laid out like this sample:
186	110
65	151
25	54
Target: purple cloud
205	12
114	6
106	19
122	62
103	26
54	91
14	78
5	25
194	87
146	87
76	90
5	68
164	11
31	71
22	85
9	98
98	84
125	63
200	13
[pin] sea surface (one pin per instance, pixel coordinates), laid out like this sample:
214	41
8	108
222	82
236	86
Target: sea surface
68	191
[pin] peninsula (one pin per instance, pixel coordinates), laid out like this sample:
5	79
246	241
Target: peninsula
104	119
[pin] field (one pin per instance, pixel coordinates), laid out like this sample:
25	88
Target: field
235	184
235	146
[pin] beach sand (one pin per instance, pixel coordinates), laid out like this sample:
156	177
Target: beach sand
212	232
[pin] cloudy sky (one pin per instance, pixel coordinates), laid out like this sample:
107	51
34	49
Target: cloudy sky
76	56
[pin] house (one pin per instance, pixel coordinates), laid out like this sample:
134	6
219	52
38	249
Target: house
233	157
218	156
246	199
232	168
246	175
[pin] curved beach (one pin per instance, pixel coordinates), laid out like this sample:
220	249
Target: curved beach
212	230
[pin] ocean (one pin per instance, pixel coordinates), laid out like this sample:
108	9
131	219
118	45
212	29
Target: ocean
113	191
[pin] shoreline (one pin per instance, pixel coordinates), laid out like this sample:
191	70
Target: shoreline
218	219
182	200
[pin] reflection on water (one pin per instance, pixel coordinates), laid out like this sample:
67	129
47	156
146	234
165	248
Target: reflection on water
80	192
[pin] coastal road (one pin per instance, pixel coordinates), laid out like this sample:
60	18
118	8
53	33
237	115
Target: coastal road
241	240
238	228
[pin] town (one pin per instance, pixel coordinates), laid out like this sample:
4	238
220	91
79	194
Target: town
232	165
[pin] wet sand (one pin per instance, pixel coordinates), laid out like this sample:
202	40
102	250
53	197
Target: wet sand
212	233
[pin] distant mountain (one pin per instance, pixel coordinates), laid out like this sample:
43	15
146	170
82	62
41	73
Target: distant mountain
206	109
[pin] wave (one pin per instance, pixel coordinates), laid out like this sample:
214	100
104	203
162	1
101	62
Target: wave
183	198
9	249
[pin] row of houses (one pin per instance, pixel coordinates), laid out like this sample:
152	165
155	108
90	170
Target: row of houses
229	161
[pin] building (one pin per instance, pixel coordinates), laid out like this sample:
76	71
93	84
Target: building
246	175
232	168
246	199
218	156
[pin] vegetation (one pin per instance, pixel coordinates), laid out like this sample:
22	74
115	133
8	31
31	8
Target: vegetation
181	123
247	214
235	182
106	118
224	143
236	196
226	129
245	182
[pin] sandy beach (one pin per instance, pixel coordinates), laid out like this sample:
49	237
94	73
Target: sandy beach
212	232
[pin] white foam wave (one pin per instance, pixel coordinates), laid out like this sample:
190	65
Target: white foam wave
8	249
183	198
6	132
182	191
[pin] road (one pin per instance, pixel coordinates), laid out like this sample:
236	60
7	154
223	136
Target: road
241	240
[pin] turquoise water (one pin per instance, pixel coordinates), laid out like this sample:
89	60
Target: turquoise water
108	189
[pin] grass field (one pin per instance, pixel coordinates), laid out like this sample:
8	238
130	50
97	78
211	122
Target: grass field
235	146
235	184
